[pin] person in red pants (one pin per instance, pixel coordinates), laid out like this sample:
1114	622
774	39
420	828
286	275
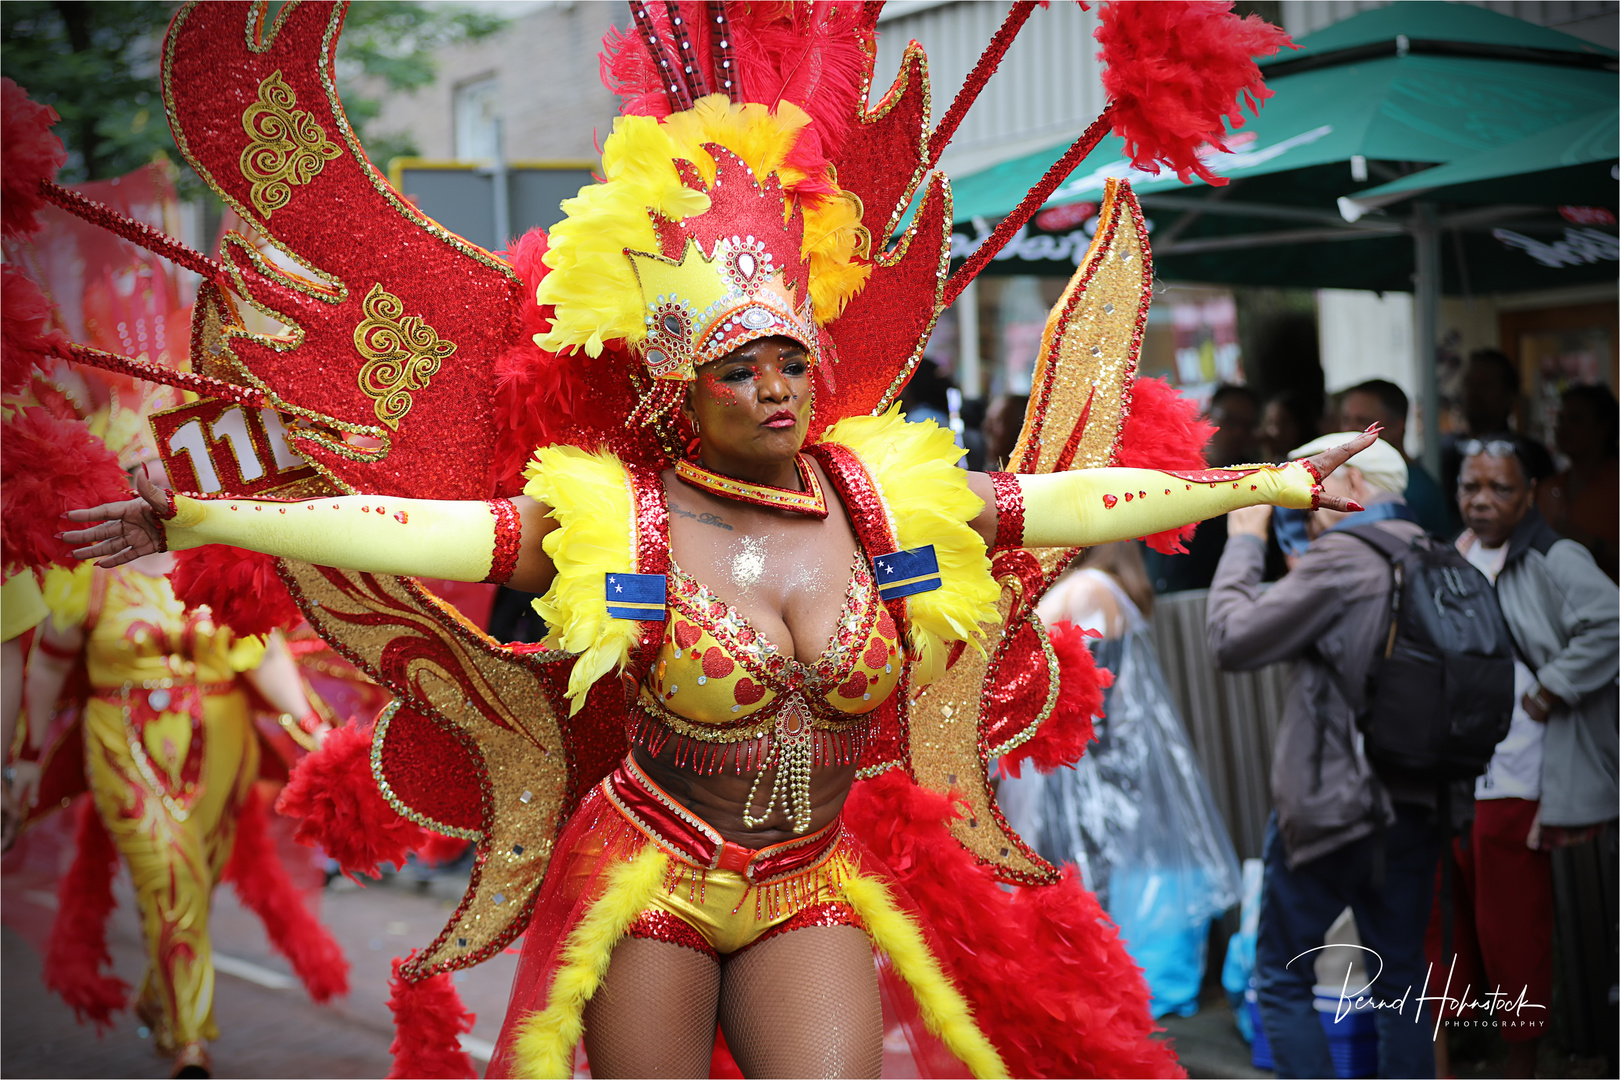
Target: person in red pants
1552	779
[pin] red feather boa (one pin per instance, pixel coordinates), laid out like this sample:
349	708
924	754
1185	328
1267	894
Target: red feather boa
339	809
428	1022
25	345
1164	431
542	398
261	881
1049	980
241	588
50	466
1176	69
29	156
76	951
1064	736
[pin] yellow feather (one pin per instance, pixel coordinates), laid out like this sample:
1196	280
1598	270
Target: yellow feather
67	594
546	1039
945	1012
589	495
929	502
592	286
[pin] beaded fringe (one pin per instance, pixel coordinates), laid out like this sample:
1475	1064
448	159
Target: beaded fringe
790	895
710	758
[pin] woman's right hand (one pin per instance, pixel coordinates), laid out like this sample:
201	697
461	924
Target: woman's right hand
128	529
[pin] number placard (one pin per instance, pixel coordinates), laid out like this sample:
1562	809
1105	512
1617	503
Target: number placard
220	447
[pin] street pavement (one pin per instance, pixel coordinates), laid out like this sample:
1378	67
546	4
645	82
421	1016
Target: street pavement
268	1027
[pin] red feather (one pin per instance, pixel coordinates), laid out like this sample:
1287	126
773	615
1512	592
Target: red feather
1064	736
262	882
1163	431
50	466
814	55
438	849
1090	1016
543	399
76	951
1176	69
339	809
429	1020
241	588
29	156
25	345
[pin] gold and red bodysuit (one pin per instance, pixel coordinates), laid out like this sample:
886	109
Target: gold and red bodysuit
170	755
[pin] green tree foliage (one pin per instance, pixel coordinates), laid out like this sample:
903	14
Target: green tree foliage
97	64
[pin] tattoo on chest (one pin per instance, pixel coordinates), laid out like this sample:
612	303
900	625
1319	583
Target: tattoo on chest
705	518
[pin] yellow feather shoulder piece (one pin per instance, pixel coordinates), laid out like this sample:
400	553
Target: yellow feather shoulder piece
589	495
929	502
67	594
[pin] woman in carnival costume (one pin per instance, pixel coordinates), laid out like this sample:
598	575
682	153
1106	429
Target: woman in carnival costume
795	587
171	755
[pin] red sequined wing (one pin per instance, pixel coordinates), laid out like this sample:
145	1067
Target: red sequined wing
393	323
879	338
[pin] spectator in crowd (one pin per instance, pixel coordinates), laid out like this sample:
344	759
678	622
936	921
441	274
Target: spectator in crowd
1002	422
1490	398
1286	421
1342	834
1583	501
1552	780
927	395
1379	401
1235	412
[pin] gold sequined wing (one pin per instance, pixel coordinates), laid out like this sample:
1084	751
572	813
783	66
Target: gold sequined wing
472	747
1078	403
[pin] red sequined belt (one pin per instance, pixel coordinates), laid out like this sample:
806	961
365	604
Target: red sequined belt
686	837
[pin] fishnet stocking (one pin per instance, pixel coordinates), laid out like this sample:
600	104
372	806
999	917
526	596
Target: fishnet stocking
804	1003
654	1014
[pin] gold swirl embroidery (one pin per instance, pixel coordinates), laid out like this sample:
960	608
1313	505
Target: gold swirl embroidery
286	147
402	353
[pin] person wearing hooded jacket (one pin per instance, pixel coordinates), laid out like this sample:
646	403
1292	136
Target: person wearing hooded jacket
1552	779
1343	833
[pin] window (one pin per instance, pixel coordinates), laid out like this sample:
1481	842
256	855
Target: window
478	120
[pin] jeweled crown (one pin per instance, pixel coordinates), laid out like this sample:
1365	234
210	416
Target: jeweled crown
723	278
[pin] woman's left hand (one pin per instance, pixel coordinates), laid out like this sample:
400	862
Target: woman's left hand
1323	464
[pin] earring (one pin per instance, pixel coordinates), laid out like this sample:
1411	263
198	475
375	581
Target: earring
692	447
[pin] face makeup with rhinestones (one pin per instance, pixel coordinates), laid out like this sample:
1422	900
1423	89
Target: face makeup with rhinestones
751	409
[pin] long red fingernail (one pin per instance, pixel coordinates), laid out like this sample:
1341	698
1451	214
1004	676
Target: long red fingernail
1355	506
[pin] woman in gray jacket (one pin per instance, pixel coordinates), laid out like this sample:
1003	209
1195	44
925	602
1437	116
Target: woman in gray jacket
1552	780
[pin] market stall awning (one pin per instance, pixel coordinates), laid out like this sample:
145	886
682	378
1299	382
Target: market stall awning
1570	165
1358	105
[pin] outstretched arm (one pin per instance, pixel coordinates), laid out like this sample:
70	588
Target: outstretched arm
498	540
1088	507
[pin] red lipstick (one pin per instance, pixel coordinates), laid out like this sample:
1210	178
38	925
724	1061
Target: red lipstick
781	418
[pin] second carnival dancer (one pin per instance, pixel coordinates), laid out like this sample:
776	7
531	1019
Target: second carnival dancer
775	586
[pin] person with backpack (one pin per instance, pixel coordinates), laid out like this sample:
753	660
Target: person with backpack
1552	780
1349	829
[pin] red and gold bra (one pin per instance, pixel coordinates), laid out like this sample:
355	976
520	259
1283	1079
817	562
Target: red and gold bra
734	701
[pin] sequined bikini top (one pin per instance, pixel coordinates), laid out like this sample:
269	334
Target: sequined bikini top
718	679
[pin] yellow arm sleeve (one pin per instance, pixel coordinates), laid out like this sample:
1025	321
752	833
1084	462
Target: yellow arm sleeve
1098	506
456	540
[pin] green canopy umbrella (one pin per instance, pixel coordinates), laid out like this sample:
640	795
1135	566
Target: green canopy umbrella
1572	165
1367	101
1364	101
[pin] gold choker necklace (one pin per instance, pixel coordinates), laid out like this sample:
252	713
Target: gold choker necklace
810	501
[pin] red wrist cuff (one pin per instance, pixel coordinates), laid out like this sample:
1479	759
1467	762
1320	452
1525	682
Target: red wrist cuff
508	541
1009	511
55	651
